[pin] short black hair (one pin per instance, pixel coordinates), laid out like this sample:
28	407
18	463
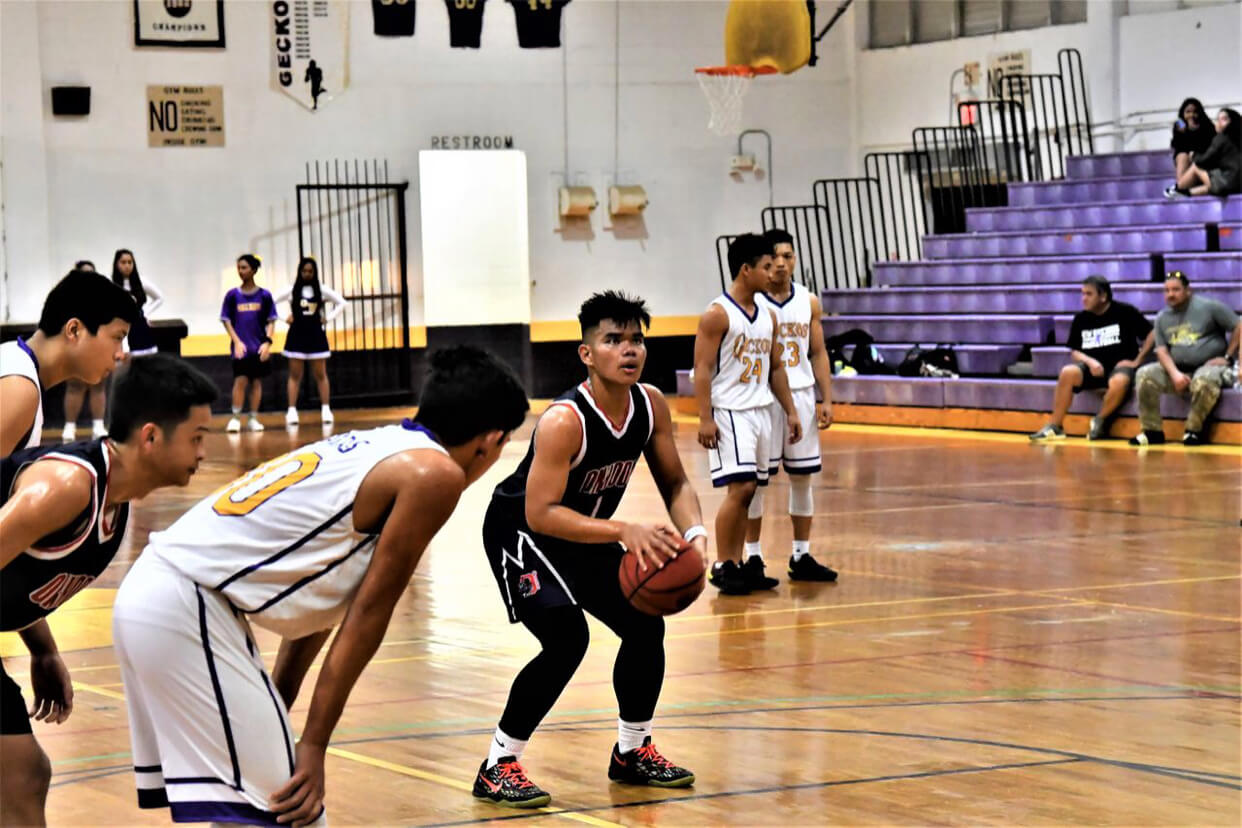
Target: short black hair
88	297
159	389
1101	285
777	236
1179	276
747	249
469	392
614	305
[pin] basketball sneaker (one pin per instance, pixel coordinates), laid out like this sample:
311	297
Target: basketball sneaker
1147	438
505	783
69	433
646	766
727	577
291	417
253	424
1048	432
807	568
234	426
754	576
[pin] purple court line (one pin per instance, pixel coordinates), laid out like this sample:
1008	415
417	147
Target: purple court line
893	656
1124	679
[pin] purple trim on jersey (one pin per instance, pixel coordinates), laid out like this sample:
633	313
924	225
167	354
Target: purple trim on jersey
221	812
21	343
245	312
749	317
792	293
410	425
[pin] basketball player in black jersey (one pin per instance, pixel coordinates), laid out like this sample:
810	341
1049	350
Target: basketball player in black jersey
555	550
62	519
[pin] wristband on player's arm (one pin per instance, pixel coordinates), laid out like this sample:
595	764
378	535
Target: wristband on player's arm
696	531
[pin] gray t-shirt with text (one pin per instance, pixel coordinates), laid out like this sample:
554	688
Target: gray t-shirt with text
1197	333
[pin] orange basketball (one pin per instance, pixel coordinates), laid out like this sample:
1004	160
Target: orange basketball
662	591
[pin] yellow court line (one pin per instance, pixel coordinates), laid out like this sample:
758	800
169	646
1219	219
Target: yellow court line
1008	592
97	690
1205	616
1139	584
404	770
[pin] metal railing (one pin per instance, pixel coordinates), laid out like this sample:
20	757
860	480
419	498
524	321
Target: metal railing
1003	138
855	234
903	207
351	219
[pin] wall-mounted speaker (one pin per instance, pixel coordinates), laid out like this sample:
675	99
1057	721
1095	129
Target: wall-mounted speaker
71	100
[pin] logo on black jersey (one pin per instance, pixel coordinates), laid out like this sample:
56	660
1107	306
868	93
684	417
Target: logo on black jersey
613	475
59	590
528	584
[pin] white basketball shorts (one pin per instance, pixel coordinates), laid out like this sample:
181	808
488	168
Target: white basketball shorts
741	453
802	457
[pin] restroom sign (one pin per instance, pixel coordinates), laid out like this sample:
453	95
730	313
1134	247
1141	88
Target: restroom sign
185	116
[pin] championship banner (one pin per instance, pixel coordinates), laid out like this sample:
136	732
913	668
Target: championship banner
310	49
179	23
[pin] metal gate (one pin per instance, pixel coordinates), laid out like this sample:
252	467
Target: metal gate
351	219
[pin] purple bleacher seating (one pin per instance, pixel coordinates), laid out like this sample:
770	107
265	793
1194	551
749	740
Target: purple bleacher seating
1036	395
1231	236
1098	214
875	390
1111	165
1047	361
1076	191
1232	210
685	385
1206	267
1132	267
1141	239
985	330
1013	299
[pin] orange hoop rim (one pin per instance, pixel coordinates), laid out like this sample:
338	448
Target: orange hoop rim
740	70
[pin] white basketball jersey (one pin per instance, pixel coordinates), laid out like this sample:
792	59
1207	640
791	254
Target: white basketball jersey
280	542
743	363
793	329
16	359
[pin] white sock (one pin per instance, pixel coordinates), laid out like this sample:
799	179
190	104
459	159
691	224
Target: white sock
801	548
324	409
631	735
753	550
97	424
254	415
504	745
292	410
237	411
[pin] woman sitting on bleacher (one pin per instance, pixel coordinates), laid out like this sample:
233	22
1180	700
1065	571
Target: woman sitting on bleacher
1192	135
1219	170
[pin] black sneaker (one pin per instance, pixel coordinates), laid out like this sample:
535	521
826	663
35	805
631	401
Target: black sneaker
1098	430
807	568
1194	438
1147	438
753	574
505	783
645	766
727	577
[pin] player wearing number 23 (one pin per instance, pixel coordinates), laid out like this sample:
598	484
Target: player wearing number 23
327	535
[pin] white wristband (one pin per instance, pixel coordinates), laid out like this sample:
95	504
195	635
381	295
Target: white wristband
696	531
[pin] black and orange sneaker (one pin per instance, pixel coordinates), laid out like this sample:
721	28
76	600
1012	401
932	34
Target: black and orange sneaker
645	766
505	783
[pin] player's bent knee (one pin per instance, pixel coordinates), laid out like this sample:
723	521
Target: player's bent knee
1072	374
743	491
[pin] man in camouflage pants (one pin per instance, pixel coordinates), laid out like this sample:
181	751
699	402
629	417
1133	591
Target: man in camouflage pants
1192	354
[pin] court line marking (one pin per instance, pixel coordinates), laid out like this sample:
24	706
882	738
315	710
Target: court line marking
436	778
97	690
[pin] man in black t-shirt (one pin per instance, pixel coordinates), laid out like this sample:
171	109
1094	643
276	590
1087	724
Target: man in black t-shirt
1108	341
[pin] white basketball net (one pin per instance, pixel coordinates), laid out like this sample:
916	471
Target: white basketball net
725	93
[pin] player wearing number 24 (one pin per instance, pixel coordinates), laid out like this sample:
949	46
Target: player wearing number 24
325	536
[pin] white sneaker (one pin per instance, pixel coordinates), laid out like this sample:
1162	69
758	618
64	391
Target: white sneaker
291	417
98	429
325	414
234	426
70	433
254	425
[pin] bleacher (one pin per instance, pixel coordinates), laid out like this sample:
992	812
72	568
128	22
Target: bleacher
1007	288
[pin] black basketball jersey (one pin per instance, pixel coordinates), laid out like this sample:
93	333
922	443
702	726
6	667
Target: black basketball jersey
53	570
601	471
465	23
393	18
538	22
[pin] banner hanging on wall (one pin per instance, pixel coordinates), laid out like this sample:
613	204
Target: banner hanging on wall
179	23
310	49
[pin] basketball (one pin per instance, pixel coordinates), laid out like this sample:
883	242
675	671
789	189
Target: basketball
662	591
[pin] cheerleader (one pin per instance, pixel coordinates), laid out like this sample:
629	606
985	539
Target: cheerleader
307	341
141	342
249	317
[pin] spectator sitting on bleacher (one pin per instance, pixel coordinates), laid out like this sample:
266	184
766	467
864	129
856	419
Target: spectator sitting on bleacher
1192	135
1104	343
1192	354
1218	170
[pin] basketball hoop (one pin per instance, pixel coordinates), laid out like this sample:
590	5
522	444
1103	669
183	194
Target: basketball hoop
725	87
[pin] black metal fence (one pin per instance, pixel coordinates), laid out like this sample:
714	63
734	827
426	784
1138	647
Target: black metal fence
351	219
902	207
855	232
1004	140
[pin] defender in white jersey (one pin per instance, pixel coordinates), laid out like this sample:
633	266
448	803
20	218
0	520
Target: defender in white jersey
81	336
801	334
738	367
325	535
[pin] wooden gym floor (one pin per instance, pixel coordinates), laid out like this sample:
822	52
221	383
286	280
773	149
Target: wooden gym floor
1021	635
